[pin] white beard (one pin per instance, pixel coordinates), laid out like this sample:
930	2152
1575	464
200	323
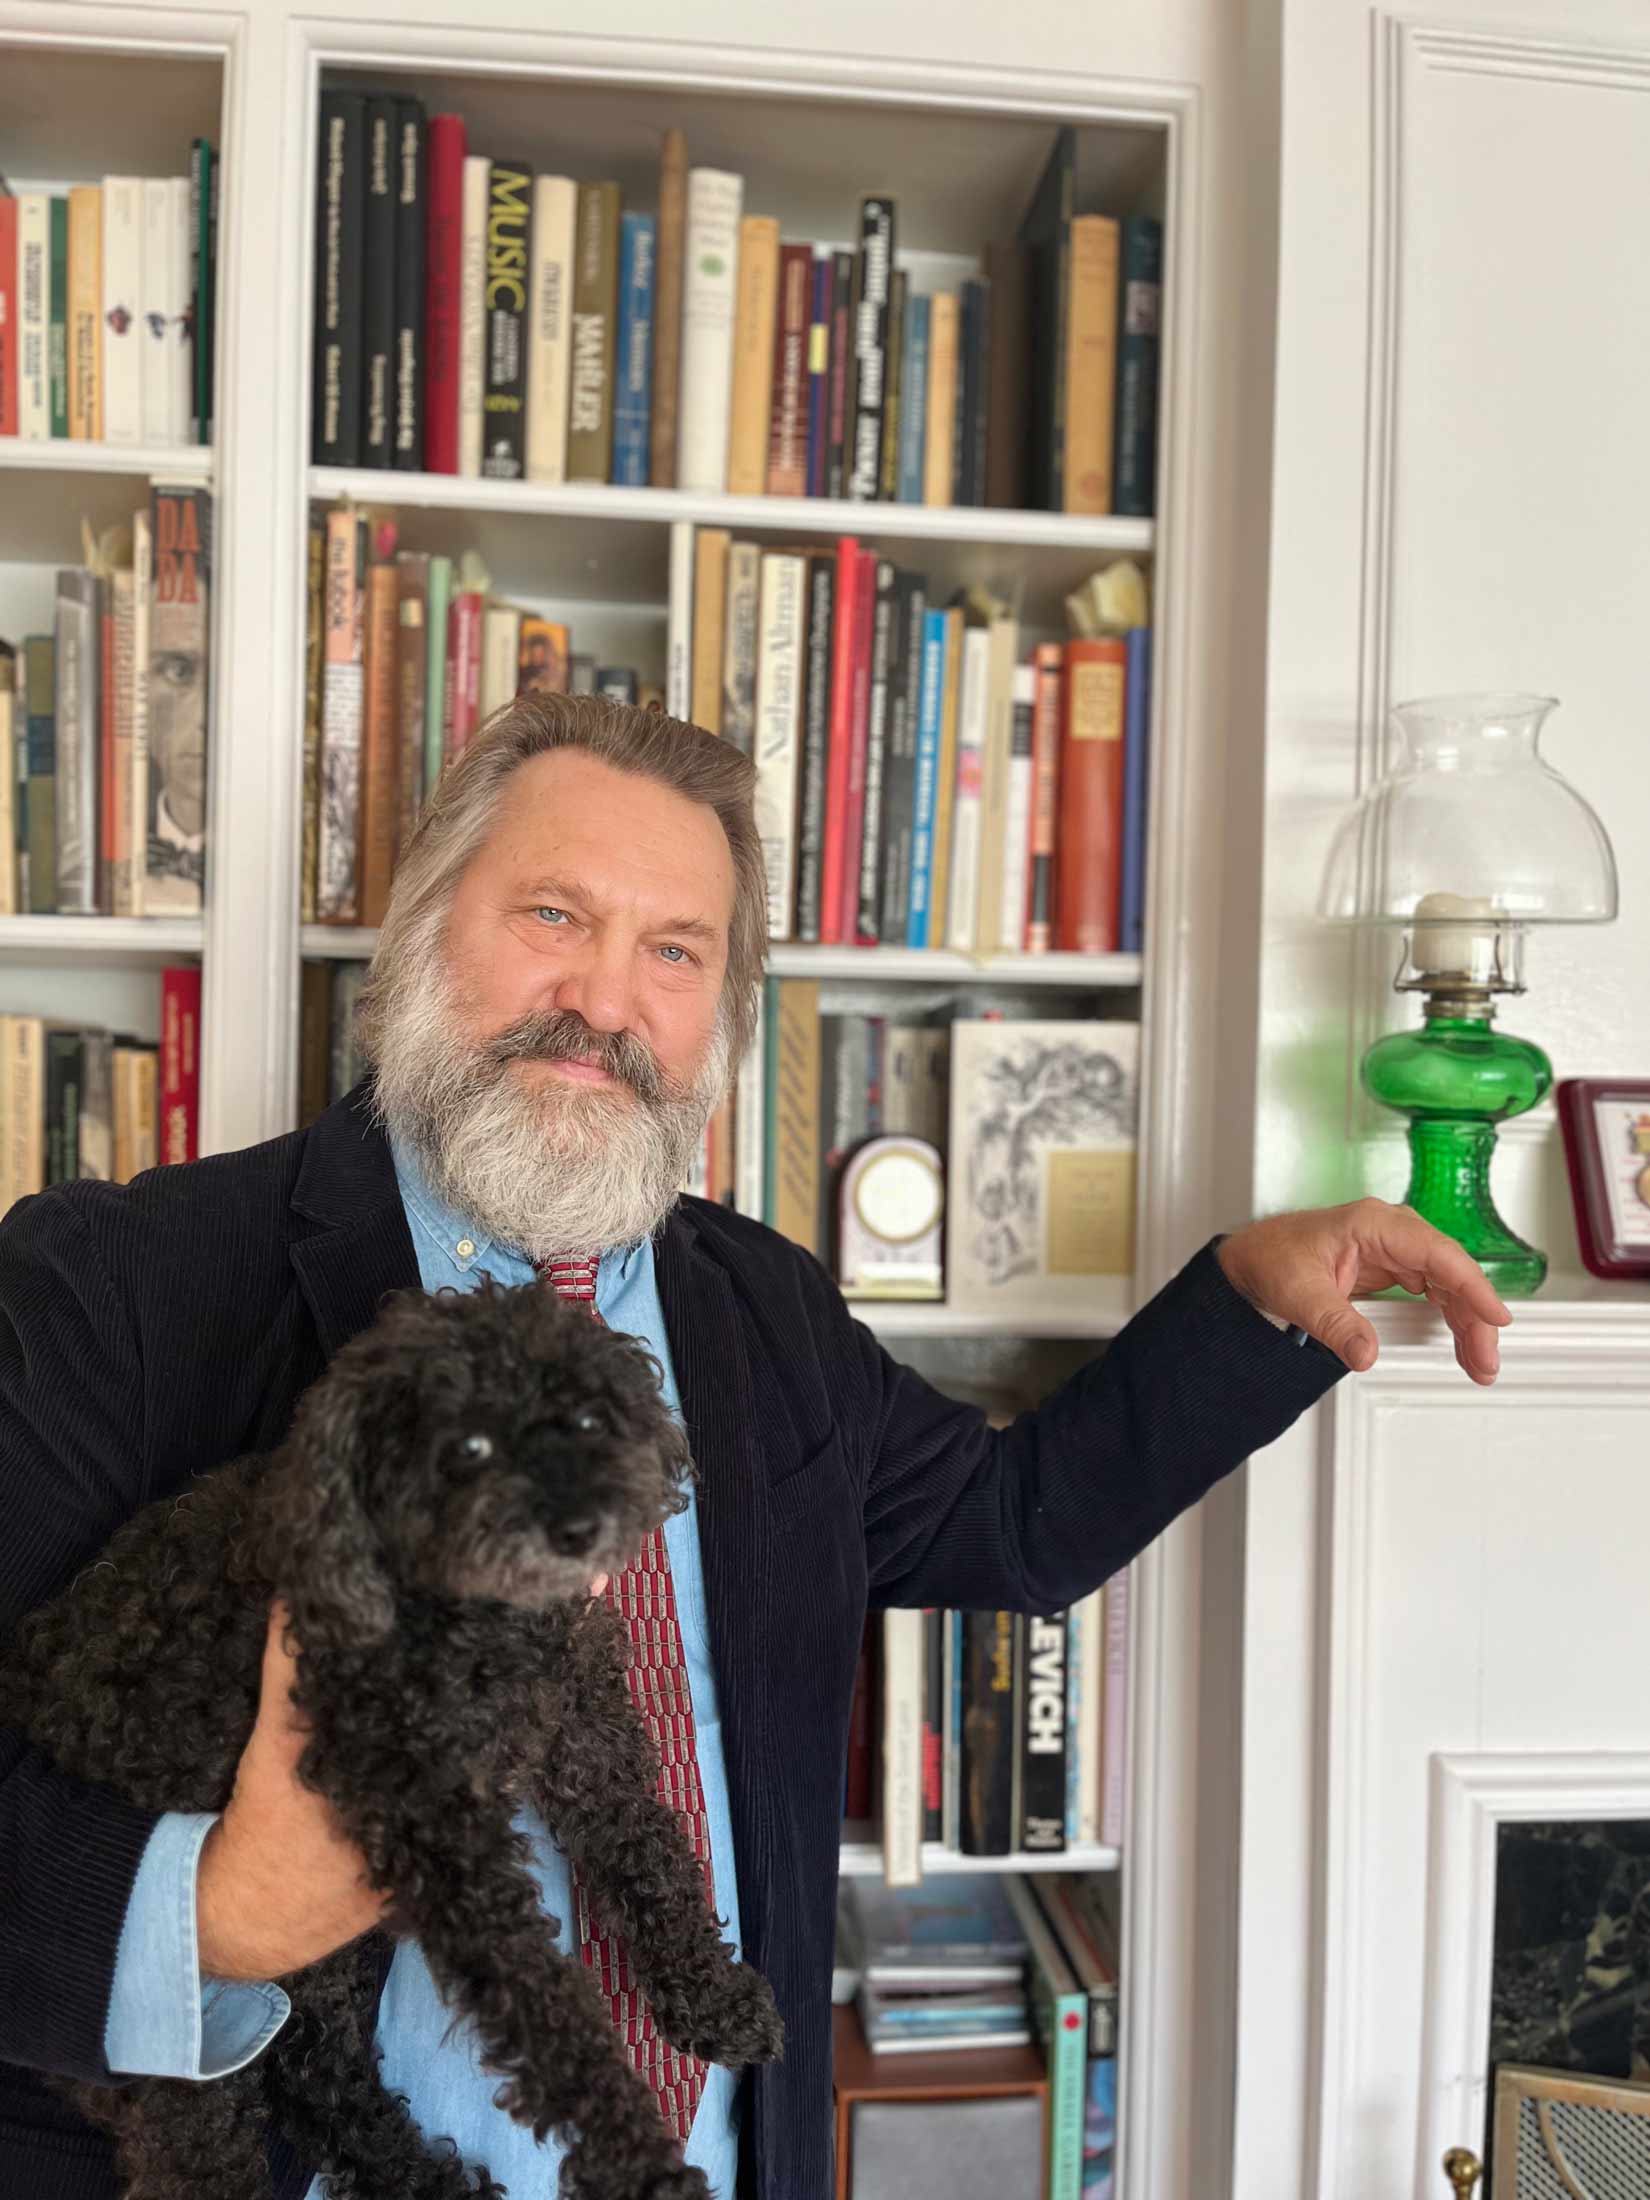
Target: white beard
537	1162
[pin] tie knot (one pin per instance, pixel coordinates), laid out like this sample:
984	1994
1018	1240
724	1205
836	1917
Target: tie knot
572	1276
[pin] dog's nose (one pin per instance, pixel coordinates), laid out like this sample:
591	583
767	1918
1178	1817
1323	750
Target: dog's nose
574	1537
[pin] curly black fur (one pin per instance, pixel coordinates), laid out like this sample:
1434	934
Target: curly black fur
448	1490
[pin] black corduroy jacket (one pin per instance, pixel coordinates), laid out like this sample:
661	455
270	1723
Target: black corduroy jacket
153	1331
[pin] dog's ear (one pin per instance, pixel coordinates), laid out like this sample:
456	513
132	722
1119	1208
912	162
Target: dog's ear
322	1551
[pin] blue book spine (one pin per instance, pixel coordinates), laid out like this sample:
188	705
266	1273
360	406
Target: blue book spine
633	382
1137	719
930	713
819	374
1140	293
913	402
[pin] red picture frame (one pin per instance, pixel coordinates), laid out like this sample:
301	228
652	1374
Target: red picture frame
1606	1124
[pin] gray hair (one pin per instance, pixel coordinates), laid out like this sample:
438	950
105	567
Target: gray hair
461	812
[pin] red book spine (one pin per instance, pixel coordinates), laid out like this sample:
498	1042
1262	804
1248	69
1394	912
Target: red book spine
1045	797
865	604
462	701
107	777
834	865
1089	861
8	317
180	1062
788	427
444	253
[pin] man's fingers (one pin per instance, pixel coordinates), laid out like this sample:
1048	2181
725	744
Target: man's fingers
1338	1324
1441	1269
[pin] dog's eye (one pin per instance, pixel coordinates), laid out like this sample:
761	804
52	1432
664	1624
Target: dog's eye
478	1447
587	1423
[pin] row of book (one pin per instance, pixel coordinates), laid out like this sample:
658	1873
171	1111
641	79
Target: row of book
476	317
108	305
408	652
999	1734
922	781
85	1102
103	726
975	1961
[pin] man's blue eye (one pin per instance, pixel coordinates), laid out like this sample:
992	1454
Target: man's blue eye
552	916
678	954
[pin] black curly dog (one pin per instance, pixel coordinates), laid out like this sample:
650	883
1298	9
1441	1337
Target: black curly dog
448	1490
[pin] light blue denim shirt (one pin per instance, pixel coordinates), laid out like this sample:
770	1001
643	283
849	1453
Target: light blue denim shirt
166	2021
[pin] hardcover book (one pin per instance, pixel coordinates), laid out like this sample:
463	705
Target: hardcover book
78	652
595	308
377	279
411	220
709	292
667	311
873	283
179	701
549	342
504	310
340	230
634	365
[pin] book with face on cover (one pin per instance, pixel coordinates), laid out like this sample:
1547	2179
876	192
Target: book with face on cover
1042	1166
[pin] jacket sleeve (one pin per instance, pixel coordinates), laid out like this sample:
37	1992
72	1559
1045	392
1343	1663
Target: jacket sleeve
1034	1516
71	1439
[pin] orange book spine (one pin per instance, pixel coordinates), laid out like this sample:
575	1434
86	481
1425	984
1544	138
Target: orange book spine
1089	859
751	406
1045	796
380	777
1091	363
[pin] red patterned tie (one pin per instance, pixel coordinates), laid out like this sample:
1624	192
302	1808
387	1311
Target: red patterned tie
645	1598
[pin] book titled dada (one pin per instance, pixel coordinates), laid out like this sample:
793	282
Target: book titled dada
1042	1165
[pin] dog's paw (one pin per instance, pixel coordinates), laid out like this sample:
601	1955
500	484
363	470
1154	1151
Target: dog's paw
737	2023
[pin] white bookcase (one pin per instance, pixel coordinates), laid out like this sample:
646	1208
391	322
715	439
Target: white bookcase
126	85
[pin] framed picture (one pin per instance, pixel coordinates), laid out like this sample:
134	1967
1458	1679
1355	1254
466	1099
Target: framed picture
1606	1124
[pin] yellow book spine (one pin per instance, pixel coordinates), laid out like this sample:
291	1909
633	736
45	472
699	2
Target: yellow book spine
1091	363
753	333
796	1130
86	313
711	546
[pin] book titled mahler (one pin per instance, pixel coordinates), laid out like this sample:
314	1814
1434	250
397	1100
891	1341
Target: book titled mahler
504	405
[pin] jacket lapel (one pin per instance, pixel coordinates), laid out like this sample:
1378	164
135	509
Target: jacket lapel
360	1248
707	1345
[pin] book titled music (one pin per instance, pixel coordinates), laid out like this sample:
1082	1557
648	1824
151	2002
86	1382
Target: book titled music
782	627
1089	859
411	221
180	1062
504	305
709	295
633	367
472	314
340	232
595	305
750	416
873	282
443	292
377	278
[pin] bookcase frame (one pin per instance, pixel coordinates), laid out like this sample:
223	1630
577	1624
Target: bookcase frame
273	58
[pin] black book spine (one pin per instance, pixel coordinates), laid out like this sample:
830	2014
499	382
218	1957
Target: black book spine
873	285
933	1724
839	405
411	214
340	224
899	771
975	398
884	618
210	397
816	742
504	404
1042	1713
378	288
986	1814
64	1053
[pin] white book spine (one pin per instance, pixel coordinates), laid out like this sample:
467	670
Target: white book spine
500	657
180	336
679	639
710	283
123	309
781	637
472	314
143	588
555	221
155	316
34	306
1115	1717
120	868
966	819
750	1126
1011	914
902	1748
1085	1666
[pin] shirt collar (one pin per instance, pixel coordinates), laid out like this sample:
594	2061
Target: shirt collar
461	1240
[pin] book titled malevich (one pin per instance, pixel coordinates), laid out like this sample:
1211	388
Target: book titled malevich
1042	1165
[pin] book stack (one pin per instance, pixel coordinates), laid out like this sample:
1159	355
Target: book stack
81	1102
1071	1939
409	652
103	726
107	307
475	316
940	1966
924	778
1000	1734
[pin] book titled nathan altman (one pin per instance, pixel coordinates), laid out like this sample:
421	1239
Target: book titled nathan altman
180	626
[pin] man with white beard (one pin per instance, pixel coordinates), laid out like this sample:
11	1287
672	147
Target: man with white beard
566	978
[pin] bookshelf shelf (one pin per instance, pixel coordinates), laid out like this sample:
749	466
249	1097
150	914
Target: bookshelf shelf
191	462
895	1318
862	1859
99	939
597	501
869	965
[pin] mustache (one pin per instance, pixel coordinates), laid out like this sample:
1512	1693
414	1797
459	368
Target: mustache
562	1035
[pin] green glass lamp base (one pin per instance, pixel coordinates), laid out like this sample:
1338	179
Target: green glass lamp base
1456	1079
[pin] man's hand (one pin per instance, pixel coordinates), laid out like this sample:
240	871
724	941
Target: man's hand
279	1885
1306	1269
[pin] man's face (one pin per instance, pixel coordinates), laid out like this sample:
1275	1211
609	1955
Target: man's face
599	893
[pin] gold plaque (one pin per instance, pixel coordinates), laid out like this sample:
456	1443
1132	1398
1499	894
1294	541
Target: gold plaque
1090	1212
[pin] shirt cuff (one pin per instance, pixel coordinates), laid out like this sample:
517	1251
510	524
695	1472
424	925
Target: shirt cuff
165	2020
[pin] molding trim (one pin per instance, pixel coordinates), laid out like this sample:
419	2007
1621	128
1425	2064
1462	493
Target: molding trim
1471	1797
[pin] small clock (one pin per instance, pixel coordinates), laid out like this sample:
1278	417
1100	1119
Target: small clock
892	1221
